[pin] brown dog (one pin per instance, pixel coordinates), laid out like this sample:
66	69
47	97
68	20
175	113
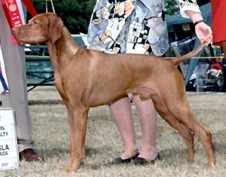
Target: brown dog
86	78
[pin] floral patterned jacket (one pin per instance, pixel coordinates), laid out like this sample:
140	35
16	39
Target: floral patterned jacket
132	26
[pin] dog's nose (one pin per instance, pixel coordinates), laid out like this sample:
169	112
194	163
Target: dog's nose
14	30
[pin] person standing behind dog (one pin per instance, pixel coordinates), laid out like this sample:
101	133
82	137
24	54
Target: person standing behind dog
219	30
16	99
218	25
137	26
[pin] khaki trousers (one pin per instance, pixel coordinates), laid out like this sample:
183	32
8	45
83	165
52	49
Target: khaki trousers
14	58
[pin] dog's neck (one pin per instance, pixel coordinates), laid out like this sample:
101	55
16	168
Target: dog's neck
64	46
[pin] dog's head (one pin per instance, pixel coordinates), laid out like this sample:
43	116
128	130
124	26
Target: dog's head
41	28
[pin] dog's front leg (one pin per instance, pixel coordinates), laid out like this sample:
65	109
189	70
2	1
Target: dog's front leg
78	125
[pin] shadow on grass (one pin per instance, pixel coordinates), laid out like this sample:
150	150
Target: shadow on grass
59	152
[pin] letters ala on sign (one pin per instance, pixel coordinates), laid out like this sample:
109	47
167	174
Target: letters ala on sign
4	150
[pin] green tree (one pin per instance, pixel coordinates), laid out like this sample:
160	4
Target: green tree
171	7
74	13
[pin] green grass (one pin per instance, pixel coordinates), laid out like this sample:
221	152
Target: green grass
103	143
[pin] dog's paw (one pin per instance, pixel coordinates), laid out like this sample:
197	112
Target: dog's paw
209	165
69	169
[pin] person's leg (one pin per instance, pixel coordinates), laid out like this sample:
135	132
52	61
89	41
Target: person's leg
148	122
122	116
223	45
17	98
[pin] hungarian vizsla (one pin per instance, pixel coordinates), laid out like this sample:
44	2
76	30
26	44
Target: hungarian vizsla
87	78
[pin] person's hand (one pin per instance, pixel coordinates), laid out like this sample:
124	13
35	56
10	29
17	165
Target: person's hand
204	33
202	30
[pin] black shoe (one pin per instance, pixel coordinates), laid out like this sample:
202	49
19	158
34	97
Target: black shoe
142	161
119	160
30	155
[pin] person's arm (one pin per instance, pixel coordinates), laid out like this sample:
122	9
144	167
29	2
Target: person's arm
202	30
194	16
190	9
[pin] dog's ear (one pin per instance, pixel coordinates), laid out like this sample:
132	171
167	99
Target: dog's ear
55	28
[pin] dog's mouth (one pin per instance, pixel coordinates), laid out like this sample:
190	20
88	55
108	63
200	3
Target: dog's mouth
27	40
28	37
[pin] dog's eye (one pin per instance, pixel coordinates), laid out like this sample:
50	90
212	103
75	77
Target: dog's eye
34	24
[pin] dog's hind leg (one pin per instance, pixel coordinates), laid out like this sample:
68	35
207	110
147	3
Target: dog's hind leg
184	131
182	112
188	135
189	120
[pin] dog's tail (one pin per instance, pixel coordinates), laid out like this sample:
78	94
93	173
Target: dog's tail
187	56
